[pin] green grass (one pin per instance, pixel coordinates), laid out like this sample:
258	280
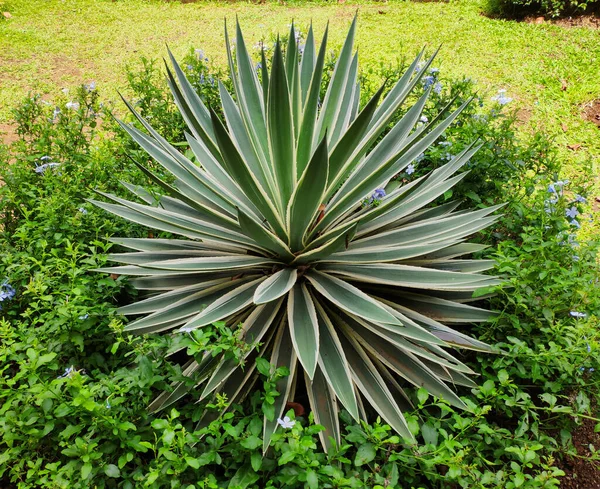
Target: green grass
51	44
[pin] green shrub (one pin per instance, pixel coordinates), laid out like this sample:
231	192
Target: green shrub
549	8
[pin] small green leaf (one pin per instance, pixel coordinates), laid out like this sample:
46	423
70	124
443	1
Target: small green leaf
111	470
256	461
312	479
86	469
422	395
251	443
365	454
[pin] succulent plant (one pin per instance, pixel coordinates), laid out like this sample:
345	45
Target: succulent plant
290	227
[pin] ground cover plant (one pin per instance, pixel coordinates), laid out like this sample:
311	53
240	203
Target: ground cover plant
75	386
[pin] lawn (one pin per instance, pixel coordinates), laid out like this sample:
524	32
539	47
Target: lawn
550	71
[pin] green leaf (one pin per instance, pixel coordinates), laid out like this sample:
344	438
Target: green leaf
324	407
276	285
244	477
111	470
365	454
307	197
349	298
226	305
304	327
281	129
86	470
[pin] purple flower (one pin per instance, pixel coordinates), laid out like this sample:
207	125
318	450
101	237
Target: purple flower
410	169
423	119
286	422
7	292
501	98
572	212
427	81
68	372
42	168
378	194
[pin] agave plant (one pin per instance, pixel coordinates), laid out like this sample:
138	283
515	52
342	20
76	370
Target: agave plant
281	237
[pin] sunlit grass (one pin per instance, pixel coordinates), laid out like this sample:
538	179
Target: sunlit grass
51	44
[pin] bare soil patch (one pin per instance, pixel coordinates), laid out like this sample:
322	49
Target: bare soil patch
591	112
581	473
591	21
7	134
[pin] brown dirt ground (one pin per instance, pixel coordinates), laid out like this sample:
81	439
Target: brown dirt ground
581	473
7	134
591	112
589	20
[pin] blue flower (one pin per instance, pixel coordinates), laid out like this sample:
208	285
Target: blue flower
579	198
7	291
589	348
82	210
68	372
575	257
42	168
72	105
572	212
575	223
410	169
419	158
258	66
434	70
85	316
200	54
437	88
423	119
501	98
378	194
427	81
576	314
551	189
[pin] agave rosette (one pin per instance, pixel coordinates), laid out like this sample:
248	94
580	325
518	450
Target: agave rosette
278	234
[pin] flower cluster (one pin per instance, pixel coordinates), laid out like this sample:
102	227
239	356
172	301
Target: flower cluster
200	54
7	292
501	97
431	79
45	165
